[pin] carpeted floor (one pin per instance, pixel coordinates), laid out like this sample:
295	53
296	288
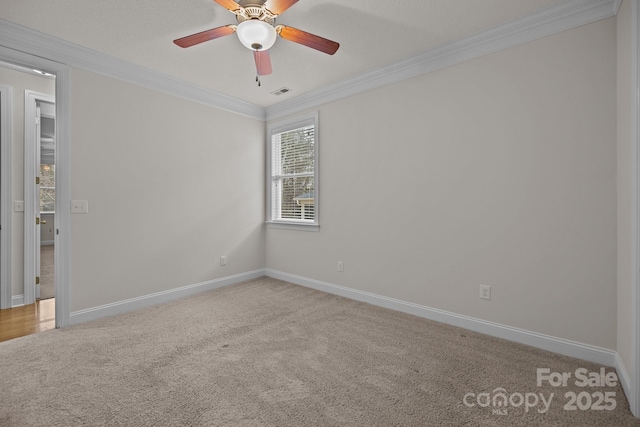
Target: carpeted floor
268	353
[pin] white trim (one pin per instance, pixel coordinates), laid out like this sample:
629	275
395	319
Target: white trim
25	70
17	300
570	348
62	219
292	226
159	297
6	208
24	39
634	396
623	376
306	119
549	21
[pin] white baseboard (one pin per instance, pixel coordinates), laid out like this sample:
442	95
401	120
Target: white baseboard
158	297
623	376
601	356
17	300
570	348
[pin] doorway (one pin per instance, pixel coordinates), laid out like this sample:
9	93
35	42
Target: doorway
27	126
62	225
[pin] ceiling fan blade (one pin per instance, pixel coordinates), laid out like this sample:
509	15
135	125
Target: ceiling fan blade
278	6
310	40
228	4
204	36
263	62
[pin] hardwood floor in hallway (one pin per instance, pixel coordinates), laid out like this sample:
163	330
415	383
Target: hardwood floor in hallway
26	320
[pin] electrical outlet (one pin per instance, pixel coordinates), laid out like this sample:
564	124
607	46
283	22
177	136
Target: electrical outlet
340	266
485	292
223	260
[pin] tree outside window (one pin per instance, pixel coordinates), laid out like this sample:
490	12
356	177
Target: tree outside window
296	177
47	188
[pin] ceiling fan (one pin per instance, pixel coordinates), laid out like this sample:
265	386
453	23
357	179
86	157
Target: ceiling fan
257	31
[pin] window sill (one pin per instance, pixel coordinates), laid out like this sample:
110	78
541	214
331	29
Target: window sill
301	226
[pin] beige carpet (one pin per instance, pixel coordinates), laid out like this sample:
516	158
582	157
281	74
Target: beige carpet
47	276
268	353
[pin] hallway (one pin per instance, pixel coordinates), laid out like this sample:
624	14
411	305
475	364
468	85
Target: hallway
28	319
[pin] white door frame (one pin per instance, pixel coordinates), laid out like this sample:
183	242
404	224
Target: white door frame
31	196
6	142
634	399
62	222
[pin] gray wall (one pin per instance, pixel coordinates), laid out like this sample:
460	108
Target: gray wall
172	185
497	171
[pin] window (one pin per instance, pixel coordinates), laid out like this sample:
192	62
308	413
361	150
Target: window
293	172
47	188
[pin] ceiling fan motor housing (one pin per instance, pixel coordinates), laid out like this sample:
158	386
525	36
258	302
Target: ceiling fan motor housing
255	12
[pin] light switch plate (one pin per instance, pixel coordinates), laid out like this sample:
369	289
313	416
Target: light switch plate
79	206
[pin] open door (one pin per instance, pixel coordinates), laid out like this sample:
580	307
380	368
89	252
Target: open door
39	121
37	195
46	198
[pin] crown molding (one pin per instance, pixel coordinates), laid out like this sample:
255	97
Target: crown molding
546	22
17	37
565	16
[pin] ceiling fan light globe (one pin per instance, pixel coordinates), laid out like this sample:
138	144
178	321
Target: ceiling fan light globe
256	35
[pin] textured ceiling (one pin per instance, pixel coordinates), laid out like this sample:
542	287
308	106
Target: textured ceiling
371	33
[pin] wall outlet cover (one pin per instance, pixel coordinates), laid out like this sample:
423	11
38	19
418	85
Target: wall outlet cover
485	292
79	206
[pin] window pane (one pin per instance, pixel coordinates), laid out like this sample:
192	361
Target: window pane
47	199
47	175
297	198
297	151
47	188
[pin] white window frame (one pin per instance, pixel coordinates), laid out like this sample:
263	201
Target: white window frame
284	126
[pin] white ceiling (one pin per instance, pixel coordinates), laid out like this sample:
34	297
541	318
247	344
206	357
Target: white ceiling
372	34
